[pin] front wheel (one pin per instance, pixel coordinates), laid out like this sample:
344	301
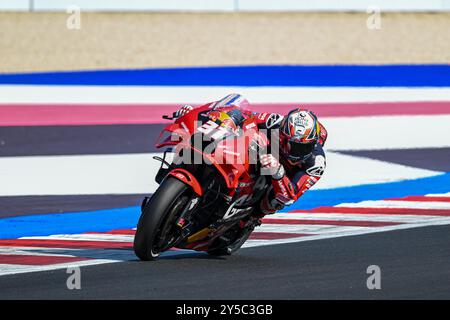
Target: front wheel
156	231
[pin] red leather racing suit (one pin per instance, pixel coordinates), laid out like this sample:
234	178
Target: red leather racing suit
297	178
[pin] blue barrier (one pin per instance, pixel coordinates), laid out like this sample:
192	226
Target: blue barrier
334	76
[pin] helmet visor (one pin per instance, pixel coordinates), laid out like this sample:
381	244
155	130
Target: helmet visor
300	151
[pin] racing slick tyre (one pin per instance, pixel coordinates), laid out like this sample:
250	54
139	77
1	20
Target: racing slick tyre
155	227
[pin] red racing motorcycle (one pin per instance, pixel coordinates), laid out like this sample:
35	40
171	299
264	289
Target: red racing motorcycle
208	192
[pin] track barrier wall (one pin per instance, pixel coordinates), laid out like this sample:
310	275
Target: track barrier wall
227	5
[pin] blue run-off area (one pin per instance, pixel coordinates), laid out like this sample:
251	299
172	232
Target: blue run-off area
126	218
437	75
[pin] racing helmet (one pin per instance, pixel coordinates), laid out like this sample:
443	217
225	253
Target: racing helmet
299	133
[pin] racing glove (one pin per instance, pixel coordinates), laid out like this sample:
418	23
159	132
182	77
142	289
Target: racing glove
272	166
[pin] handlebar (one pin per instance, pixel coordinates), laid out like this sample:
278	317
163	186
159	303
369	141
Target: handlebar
169	117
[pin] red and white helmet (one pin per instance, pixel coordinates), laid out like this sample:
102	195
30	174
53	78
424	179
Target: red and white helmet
299	134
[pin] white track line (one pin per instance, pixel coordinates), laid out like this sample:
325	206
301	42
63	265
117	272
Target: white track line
24	251
398	204
87	174
439	194
10	269
134	173
86	237
109	254
312	229
345	170
387	132
356	217
204	94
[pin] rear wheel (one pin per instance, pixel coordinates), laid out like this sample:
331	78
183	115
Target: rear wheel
156	230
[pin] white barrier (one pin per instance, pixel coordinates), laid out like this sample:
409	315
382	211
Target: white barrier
343	5
227	5
136	5
14	5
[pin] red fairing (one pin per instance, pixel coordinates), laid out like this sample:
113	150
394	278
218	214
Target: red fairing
183	127
231	160
261	118
187	178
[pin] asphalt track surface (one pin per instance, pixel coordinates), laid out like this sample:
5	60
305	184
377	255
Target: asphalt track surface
424	158
74	140
415	264
29	205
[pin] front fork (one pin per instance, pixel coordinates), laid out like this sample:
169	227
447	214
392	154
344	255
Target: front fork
184	221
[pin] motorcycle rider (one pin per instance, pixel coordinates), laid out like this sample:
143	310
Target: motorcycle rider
301	139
